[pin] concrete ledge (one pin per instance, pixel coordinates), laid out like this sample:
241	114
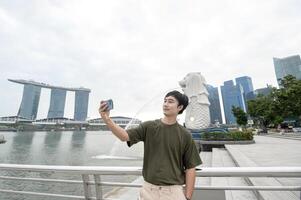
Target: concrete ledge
204	145
226	142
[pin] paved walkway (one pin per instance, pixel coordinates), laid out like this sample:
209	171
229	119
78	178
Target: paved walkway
270	152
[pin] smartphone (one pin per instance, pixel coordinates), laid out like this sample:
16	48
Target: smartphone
110	104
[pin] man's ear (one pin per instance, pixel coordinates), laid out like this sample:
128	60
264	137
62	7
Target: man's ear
180	107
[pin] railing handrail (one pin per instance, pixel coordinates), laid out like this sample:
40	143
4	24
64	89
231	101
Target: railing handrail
201	172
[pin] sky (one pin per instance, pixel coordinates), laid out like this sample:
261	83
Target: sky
134	51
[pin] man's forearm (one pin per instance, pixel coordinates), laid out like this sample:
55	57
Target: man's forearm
116	130
190	181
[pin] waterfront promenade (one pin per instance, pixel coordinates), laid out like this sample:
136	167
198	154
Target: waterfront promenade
267	151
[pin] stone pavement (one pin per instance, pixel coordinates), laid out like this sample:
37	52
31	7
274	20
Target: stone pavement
270	152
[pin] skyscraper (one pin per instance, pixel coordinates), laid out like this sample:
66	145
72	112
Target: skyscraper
247	85
57	103
285	66
81	105
232	96
30	102
214	108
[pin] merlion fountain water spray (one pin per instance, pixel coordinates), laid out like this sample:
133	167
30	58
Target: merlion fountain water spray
197	111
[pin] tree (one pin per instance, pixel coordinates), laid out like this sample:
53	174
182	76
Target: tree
240	115
288	97
283	103
262	110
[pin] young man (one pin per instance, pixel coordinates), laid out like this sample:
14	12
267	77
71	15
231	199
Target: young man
170	155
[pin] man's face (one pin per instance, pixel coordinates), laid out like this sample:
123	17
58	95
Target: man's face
171	106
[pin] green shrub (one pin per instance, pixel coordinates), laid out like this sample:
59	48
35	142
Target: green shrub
235	135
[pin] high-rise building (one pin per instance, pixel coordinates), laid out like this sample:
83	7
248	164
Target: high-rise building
214	108
30	102
57	103
232	96
285	66
31	96
247	85
81	105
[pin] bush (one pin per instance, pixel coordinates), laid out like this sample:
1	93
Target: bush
235	135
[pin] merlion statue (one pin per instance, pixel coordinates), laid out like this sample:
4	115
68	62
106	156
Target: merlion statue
197	111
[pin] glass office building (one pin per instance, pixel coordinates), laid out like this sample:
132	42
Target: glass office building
232	96
285	66
214	108
246	83
247	86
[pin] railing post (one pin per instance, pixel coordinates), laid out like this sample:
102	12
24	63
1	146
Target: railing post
87	187
98	187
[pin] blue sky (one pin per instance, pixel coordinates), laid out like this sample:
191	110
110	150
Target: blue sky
134	51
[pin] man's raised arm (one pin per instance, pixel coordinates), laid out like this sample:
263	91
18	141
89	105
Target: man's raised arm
116	130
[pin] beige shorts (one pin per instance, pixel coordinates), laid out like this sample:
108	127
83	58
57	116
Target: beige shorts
155	192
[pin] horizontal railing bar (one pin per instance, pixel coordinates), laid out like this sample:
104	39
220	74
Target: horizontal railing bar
272	188
40	180
250	172
202	172
265	188
119	184
43	194
107	170
260	188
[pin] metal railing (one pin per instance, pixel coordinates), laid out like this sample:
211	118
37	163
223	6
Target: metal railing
91	178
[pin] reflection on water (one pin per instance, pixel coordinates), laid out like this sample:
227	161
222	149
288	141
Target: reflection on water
60	148
20	148
117	157
78	139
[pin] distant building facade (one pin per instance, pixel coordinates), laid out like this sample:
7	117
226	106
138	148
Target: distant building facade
57	103
30	102
120	120
31	97
246	83
263	91
247	86
214	108
233	95
285	66
81	105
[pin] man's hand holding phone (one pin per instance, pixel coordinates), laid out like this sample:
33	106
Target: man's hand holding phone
105	107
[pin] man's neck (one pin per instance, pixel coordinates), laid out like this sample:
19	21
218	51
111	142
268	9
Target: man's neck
169	120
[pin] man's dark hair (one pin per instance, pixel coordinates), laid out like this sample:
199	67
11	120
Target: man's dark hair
181	98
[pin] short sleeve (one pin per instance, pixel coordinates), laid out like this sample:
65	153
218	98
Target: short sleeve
136	134
191	155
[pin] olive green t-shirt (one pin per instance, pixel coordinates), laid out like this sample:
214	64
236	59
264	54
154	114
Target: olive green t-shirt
168	151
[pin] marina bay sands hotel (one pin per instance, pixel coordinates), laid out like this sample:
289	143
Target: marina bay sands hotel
31	97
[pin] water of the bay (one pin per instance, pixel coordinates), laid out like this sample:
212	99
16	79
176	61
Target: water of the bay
71	148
